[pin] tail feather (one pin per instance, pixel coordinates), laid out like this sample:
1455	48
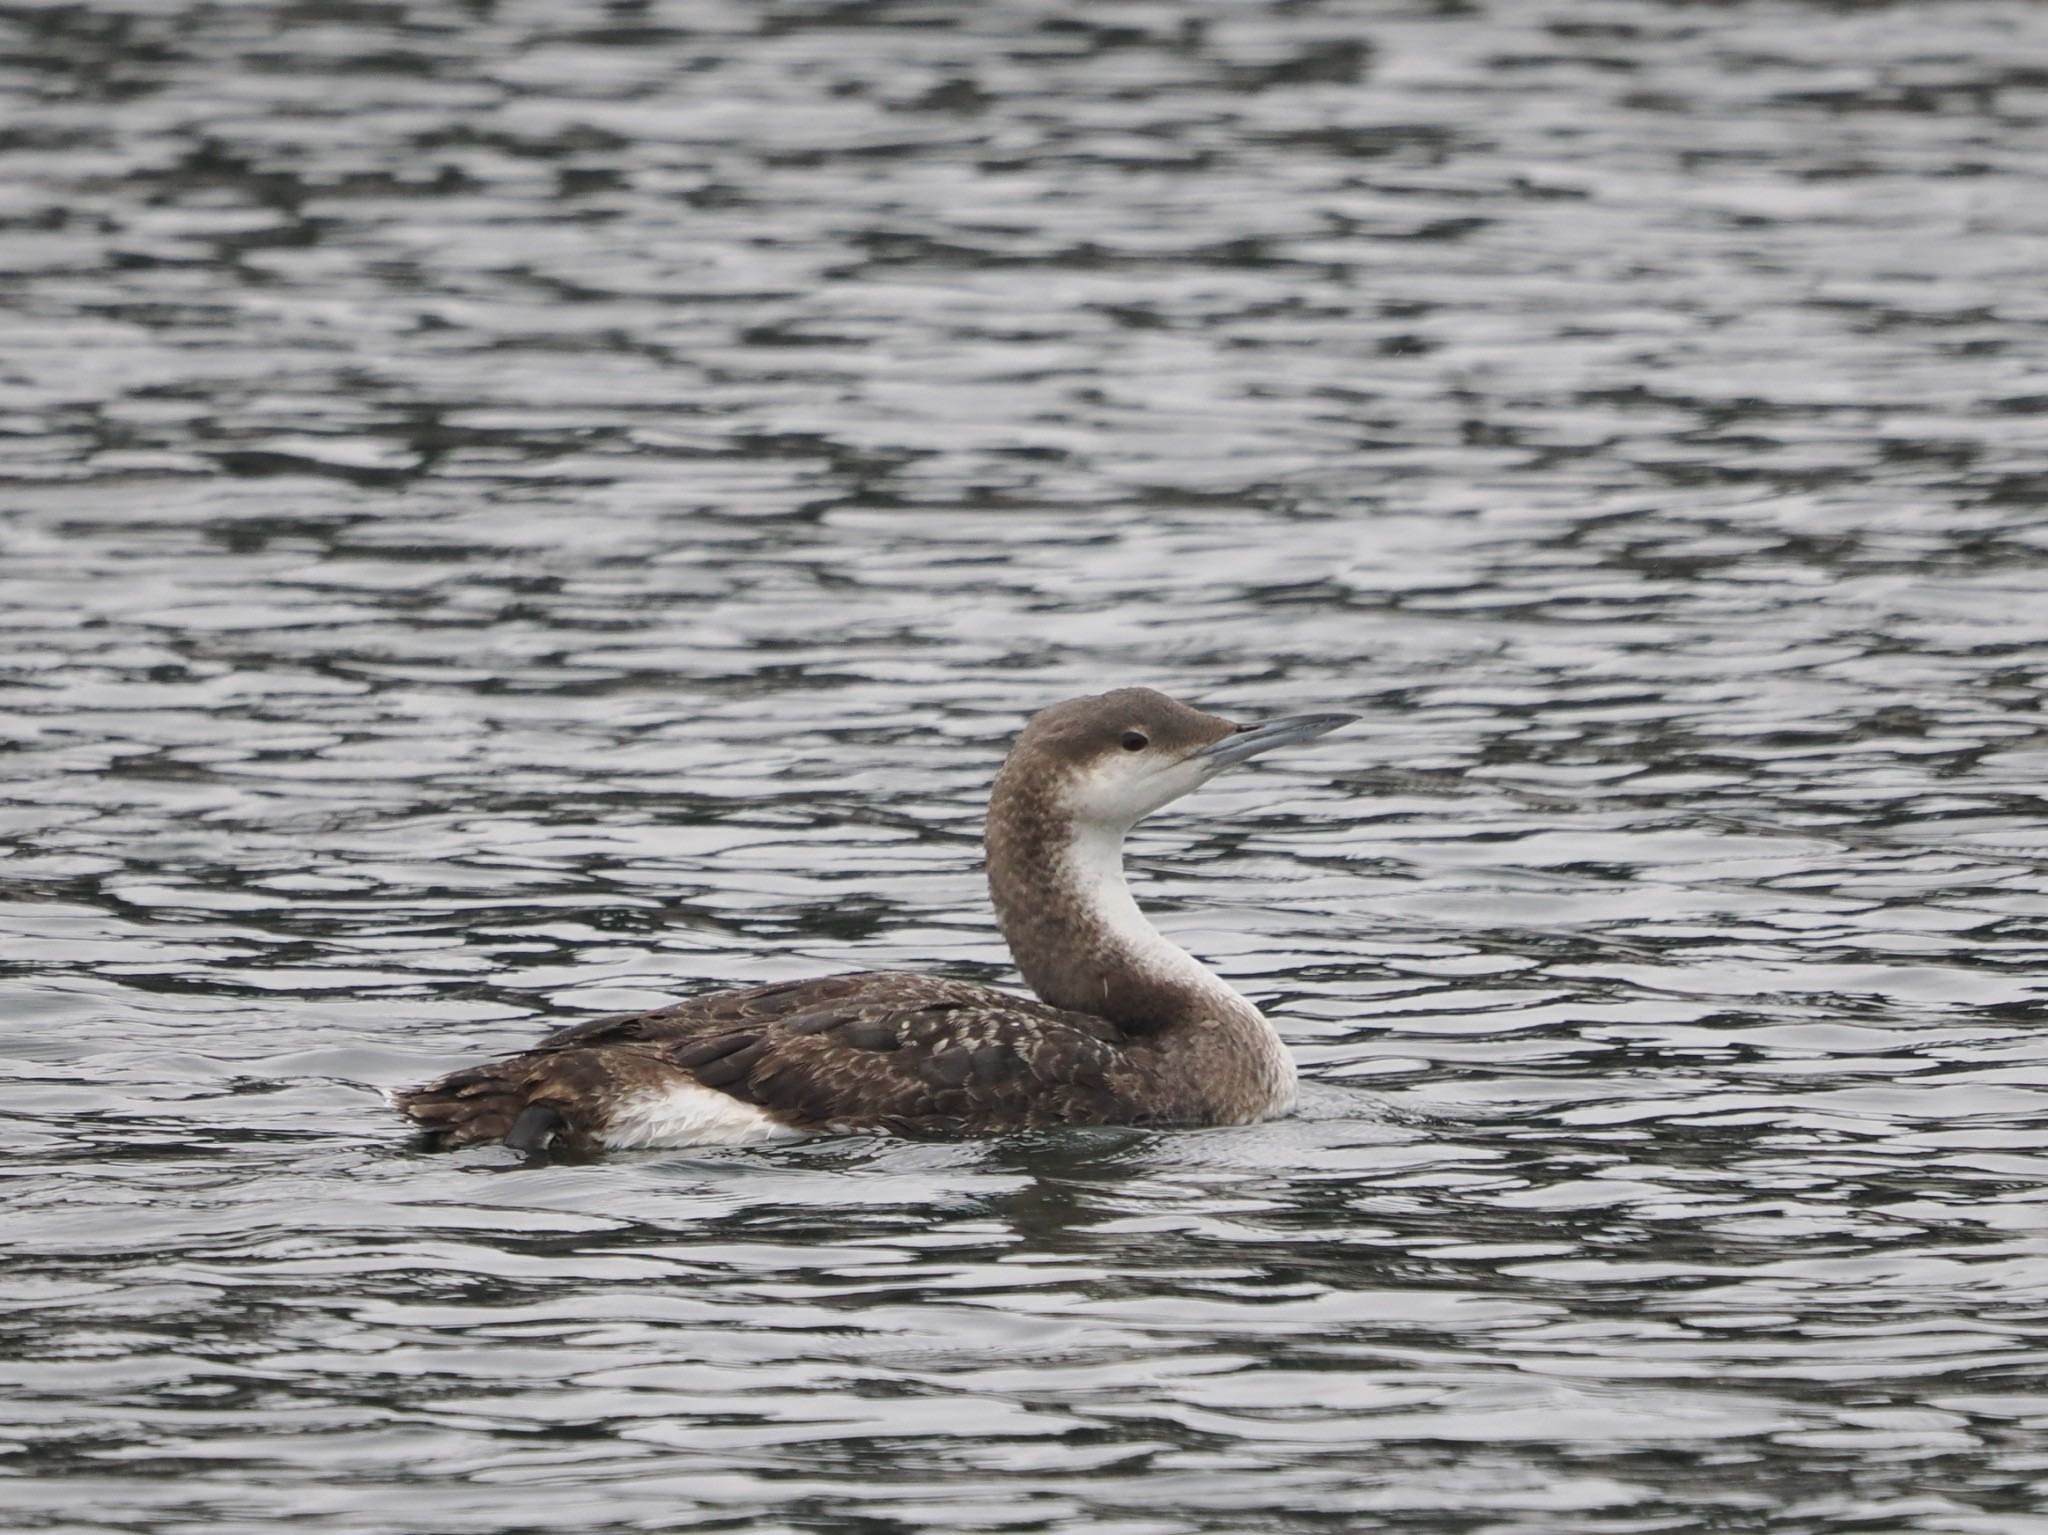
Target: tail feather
541	1101
471	1107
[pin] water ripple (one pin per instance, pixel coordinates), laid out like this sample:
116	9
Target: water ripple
508	515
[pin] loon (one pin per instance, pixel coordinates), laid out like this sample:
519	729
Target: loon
1127	1028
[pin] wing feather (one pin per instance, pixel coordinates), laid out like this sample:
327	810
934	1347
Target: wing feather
873	1049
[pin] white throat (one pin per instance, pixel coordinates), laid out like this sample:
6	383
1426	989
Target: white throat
1094	866
1095	869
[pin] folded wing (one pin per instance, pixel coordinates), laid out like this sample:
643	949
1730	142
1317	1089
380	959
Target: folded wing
871	1050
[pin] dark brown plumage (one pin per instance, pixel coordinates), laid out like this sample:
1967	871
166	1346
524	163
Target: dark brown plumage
1130	1030
873	1050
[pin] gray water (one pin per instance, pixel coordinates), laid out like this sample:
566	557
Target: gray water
514	511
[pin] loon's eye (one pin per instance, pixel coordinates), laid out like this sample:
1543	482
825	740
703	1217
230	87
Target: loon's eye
1134	741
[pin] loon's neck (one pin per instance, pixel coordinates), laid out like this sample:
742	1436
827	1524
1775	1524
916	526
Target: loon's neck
1076	934
1082	943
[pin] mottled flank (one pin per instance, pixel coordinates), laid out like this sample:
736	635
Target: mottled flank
872	1050
1130	1029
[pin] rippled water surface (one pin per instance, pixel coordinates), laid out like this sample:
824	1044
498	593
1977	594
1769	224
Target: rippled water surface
515	511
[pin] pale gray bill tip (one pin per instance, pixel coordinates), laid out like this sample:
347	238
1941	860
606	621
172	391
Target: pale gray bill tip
1288	730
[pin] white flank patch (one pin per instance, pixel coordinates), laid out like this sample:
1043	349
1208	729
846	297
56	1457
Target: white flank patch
688	1114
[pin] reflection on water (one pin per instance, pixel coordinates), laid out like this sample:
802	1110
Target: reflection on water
508	513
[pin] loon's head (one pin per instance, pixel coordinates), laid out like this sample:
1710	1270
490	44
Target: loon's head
1112	759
